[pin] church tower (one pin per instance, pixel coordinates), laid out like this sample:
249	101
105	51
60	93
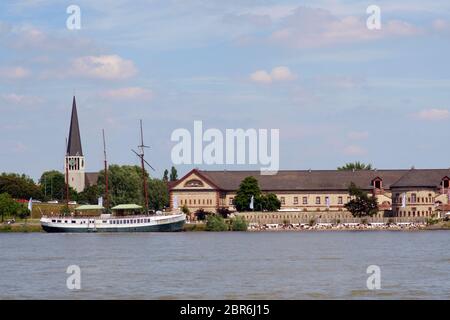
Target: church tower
74	162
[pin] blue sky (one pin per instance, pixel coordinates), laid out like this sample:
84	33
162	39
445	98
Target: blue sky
337	91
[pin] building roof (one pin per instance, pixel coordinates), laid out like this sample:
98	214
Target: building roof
89	207
431	178
128	206
74	143
291	180
91	178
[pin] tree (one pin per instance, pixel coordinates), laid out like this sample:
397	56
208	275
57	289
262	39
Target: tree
124	184
53	186
166	175
249	187
158	194
173	174
90	195
215	223
9	207
201	214
19	186
356	166
361	205
270	202
185	209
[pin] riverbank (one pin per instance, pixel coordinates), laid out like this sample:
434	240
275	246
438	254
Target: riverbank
34	226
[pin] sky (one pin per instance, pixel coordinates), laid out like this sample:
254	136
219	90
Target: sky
337	91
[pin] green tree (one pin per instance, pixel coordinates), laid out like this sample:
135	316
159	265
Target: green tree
269	202
239	224
19	186
361	205
158	194
53	185
173	174
215	223
11	208
249	187
89	195
185	209
124	184
166	175
355	166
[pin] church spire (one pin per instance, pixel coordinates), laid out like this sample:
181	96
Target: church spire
74	144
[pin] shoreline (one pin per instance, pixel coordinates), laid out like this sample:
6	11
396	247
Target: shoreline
200	227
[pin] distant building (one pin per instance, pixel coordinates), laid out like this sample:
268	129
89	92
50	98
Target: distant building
75	162
322	193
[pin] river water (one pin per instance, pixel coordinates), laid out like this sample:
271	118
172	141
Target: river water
228	265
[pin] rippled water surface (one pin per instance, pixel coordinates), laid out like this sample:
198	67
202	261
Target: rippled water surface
202	265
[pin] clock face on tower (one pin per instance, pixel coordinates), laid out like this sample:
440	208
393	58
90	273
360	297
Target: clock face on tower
72	162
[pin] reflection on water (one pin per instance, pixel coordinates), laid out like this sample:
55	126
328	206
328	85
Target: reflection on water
283	265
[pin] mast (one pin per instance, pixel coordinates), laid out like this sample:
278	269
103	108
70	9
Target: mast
106	171
67	177
144	177
143	162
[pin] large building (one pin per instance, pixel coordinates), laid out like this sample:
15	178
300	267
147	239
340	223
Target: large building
400	193
74	162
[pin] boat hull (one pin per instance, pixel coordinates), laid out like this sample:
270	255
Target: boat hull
171	226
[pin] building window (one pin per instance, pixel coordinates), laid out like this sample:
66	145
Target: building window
231	201
282	201
413	198
340	200
317	200
305	200
295	200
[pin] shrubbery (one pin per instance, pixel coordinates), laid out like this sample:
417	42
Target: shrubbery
239	224
216	223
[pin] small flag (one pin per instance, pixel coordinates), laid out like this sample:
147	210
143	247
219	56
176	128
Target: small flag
404	200
175	202
251	202
30	204
100	201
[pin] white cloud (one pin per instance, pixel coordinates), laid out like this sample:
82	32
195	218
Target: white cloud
261	76
440	24
137	93
280	73
18	99
433	114
354	150
110	67
14	72
358	135
313	27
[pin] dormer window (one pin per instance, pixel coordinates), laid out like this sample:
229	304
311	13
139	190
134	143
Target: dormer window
377	183
446	182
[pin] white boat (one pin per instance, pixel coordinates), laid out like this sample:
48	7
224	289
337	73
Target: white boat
111	223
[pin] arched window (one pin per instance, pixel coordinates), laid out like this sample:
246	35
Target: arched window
194	183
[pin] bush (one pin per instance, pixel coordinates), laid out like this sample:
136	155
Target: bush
216	223
185	209
239	224
224	212
312	222
201	214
